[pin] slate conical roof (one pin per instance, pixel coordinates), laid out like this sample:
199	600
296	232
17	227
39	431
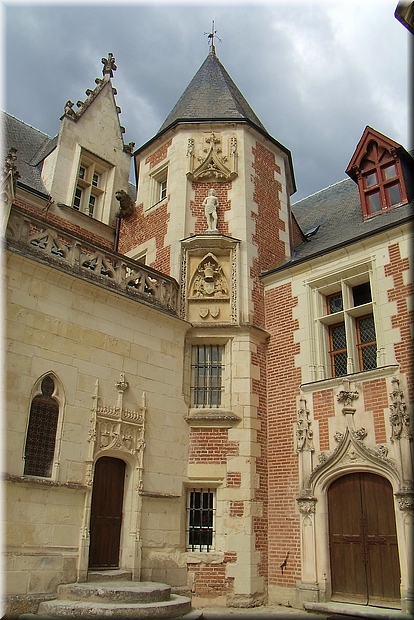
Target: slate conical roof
211	96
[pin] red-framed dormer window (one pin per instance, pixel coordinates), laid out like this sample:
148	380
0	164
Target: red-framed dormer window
380	180
376	167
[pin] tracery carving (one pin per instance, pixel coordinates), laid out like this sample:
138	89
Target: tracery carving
209	280
304	432
399	418
113	427
213	164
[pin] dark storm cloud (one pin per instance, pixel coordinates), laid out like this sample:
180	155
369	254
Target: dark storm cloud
316	74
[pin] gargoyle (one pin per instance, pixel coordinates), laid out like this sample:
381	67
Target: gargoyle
126	204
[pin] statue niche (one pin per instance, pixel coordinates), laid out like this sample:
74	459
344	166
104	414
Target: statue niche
209	280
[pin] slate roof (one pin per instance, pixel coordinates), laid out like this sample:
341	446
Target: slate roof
337	211
211	95
32	146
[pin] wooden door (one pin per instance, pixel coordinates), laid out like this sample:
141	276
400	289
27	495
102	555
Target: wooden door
363	541
106	513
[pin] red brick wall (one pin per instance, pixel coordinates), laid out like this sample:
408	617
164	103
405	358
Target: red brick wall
271	251
159	155
53	219
323	409
376	400
210	579
404	317
233	480
260	523
140	227
201	190
211	445
283	386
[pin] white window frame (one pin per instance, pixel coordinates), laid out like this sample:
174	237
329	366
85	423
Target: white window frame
92	180
159	185
321	289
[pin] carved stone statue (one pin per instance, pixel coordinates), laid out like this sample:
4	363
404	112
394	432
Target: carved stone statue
126	204
210	205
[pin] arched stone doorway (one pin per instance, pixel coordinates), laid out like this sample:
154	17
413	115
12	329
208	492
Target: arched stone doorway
106	513
363	545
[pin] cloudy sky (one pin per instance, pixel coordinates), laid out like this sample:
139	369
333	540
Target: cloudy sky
316	73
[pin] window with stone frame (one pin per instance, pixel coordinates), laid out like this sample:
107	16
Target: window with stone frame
200	519
207	383
346	326
40	444
91	185
159	185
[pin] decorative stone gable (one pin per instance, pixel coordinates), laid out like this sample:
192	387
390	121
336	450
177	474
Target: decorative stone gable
212	165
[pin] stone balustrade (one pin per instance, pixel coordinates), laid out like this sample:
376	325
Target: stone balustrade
40	240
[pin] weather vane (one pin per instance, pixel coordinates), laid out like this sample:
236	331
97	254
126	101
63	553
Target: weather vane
211	36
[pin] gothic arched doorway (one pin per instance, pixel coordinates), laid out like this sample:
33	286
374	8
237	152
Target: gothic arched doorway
364	557
106	513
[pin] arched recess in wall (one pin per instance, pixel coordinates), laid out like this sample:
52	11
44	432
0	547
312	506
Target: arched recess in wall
351	457
43	433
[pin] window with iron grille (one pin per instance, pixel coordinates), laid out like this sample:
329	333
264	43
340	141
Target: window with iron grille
207	376
348	323
41	432
200	519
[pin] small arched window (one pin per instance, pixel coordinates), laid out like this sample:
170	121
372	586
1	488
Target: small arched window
41	431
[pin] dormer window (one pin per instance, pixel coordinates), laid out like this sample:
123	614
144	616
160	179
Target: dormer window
91	185
377	168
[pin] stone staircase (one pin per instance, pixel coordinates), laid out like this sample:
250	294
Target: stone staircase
112	594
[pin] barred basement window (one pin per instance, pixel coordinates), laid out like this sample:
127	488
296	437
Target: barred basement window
206	376
41	432
200	519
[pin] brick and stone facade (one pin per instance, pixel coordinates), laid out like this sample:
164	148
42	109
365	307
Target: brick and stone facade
114	309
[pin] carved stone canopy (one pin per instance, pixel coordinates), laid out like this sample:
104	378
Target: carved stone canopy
213	166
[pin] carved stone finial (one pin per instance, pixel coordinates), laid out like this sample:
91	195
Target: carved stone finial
10	166
360	433
122	385
399	418
109	65
68	110
304	432
347	397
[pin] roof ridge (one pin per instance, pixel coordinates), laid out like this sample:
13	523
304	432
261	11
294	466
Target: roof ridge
319	191
28	125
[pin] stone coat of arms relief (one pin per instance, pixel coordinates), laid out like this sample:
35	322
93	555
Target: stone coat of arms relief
209	285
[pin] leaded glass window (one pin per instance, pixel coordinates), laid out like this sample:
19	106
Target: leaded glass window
41	432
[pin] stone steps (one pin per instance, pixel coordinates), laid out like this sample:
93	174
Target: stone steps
118	599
